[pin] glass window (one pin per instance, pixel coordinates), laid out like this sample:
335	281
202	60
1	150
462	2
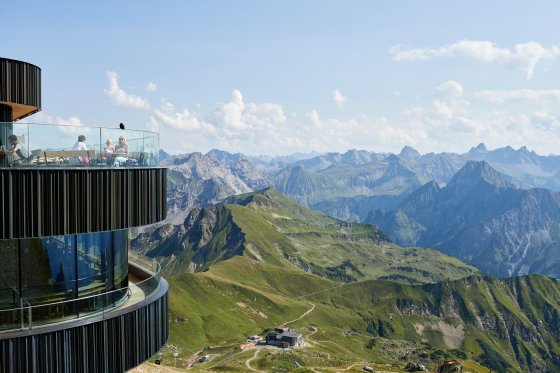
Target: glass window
47	269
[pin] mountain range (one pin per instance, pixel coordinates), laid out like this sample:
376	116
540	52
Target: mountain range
500	224
483	219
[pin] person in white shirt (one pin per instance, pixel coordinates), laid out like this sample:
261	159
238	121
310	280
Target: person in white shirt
80	144
18	148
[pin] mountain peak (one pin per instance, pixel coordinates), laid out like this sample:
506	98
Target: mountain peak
482	147
409	153
475	171
479	151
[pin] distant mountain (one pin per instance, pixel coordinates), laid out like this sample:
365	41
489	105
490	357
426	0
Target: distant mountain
351	157
268	227
483	219
327	182
349	185
196	180
242	167
284	160
163	155
385	181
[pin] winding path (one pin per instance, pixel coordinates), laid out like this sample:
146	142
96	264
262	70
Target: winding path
248	361
302	316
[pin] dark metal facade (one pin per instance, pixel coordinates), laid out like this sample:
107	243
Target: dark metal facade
114	342
5	114
49	202
20	87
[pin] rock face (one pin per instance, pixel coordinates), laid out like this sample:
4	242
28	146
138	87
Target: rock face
206	237
483	219
197	180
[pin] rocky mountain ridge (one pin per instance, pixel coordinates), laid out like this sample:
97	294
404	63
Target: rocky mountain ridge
483	219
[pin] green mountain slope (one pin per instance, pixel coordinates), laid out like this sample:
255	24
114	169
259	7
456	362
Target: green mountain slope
268	227
509	325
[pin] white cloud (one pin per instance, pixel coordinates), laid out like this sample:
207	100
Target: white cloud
524	55
442	109
234	125
236	114
446	123
151	87
120	98
167	115
517	95
450	88
338	98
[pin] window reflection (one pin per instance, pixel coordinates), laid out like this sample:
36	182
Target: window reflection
58	268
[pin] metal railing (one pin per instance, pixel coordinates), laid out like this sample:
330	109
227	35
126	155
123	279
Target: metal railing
46	144
28	316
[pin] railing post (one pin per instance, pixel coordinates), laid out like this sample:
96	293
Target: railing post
30	317
21	312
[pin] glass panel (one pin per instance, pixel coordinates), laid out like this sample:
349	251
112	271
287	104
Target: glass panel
120	245
47	269
55	270
48	144
92	263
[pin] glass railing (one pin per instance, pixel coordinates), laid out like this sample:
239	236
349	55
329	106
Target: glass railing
24	315
56	145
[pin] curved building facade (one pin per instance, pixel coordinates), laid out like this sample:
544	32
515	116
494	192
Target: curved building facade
72	296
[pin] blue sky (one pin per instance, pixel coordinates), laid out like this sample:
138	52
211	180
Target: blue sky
276	77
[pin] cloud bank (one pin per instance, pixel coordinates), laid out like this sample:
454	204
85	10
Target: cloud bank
523	55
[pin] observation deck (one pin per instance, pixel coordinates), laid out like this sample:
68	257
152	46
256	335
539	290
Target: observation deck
72	297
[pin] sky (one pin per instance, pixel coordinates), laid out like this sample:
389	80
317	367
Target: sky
278	77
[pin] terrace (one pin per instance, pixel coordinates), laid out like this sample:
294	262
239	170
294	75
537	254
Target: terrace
53	145
24	314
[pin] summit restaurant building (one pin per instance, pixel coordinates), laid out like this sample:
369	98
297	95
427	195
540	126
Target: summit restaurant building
72	296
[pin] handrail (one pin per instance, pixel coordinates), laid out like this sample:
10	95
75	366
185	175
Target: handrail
147	286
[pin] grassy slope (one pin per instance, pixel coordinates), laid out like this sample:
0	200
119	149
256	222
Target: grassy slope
278	228
241	297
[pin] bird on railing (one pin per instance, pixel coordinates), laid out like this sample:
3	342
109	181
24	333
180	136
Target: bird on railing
121	126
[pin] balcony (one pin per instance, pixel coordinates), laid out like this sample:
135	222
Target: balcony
49	145
107	332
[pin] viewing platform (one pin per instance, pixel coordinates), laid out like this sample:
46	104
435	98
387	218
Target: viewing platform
50	145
